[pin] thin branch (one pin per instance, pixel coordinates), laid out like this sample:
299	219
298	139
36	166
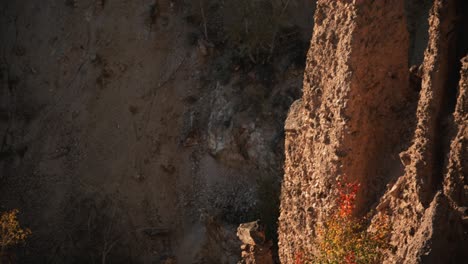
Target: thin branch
152	92
205	28
108	247
273	44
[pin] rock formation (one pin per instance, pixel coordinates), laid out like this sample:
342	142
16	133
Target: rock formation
360	120
255	250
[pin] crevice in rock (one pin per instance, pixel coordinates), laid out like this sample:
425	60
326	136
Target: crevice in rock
417	13
458	48
457	43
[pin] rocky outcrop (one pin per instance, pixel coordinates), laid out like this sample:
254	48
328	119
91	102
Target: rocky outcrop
423	205
355	83
360	120
255	250
456	181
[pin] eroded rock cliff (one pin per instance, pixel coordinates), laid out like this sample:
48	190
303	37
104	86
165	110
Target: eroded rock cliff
363	119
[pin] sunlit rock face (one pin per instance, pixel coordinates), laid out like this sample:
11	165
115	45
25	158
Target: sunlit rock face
362	119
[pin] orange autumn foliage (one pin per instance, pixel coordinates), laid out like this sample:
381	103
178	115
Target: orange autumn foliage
11	232
344	238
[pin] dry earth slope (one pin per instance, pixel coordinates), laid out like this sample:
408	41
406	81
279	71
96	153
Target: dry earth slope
134	132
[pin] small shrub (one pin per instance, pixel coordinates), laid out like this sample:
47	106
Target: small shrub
345	239
11	232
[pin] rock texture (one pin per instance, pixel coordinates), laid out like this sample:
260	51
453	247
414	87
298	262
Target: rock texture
355	83
425	211
362	119
255	250
137	130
